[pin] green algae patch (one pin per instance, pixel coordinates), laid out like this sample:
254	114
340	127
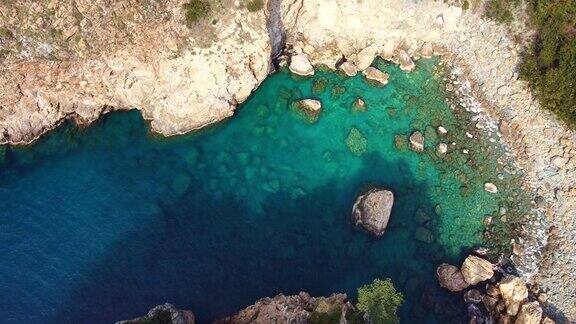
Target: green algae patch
356	142
319	85
359	105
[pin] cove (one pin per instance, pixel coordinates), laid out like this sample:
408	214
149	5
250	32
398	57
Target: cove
103	223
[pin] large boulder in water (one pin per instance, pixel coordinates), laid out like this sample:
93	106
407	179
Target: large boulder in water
372	210
164	314
451	278
300	65
476	270
373	74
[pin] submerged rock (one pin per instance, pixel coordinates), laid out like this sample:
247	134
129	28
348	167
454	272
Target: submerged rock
423	234
300	65
451	278
476	270
359	105
166	314
300	308
514	292
356	142
417	141
309	108
373	74
349	68
372	210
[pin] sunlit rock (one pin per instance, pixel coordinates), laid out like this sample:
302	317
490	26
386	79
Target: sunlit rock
372	210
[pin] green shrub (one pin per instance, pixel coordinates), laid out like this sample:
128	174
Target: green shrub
255	5
379	300
549	65
501	10
195	10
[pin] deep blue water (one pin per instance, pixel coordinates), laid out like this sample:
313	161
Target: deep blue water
101	224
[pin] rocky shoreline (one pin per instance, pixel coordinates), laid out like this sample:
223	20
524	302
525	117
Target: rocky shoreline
182	83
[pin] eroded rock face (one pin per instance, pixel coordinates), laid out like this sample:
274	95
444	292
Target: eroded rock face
165	314
181	77
372	210
291	309
451	278
514	292
475	270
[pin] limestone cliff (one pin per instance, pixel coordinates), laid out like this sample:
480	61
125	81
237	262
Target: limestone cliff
79	59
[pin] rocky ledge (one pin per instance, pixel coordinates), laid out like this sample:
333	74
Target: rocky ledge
298	309
80	59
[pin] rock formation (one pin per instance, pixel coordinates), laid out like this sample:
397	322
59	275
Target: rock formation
417	141
451	278
372	210
514	292
300	65
349	68
475	270
310	108
373	74
300	308
165	314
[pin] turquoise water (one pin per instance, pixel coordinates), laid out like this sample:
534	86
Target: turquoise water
101	224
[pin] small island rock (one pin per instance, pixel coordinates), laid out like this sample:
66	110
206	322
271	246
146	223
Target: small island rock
475	270
373	74
451	278
417	141
300	65
372	210
310	108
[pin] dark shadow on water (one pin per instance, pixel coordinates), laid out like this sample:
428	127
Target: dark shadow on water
216	256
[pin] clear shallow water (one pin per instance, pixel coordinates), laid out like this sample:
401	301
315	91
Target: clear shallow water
101	224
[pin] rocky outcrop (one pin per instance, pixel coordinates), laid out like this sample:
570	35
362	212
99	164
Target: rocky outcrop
530	313
451	278
372	210
375	75
300	308
164	314
475	270
86	58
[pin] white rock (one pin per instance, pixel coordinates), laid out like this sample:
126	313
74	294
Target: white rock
441	130
406	63
417	141
490	187
372	210
442	148
300	65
